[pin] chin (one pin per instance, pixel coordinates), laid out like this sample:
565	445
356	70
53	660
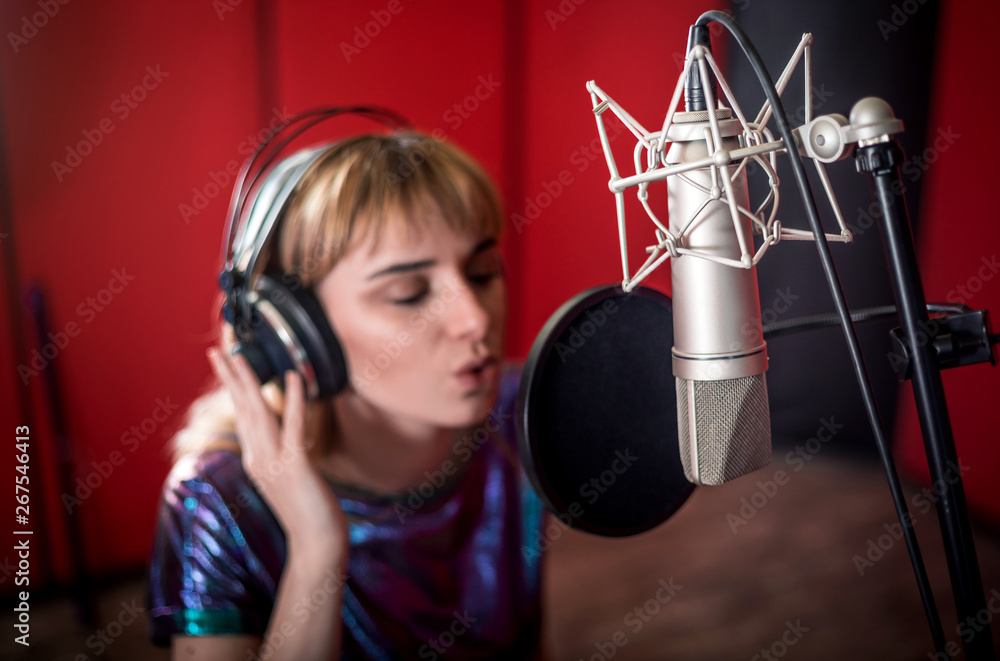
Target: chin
446	408
473	409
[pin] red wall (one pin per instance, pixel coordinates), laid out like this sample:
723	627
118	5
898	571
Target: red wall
126	207
960	247
117	212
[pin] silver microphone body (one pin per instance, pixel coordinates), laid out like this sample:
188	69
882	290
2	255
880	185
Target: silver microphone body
719	355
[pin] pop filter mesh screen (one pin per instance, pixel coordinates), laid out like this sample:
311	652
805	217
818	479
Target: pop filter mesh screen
597	413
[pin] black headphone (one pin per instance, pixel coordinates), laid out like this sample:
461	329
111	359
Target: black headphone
280	324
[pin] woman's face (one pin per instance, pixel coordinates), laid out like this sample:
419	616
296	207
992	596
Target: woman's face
421	318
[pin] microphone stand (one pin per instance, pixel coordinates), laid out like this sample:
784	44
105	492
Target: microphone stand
925	342
926	346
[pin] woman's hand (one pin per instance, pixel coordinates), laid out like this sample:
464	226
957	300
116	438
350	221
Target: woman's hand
276	459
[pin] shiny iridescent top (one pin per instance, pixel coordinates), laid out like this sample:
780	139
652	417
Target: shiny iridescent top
448	570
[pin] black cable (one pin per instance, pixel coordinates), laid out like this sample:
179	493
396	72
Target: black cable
836	291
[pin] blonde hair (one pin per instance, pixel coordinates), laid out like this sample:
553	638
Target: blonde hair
356	189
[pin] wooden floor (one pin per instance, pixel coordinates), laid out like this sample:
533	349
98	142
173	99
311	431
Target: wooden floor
786	582
701	586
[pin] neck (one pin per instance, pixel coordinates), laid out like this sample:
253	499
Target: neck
380	453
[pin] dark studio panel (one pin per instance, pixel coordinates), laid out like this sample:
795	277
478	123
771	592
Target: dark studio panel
859	49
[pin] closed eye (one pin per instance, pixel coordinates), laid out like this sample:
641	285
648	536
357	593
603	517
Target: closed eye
484	278
410	300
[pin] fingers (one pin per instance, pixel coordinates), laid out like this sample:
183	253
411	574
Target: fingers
224	369
293	420
255	423
275	457
254	417
238	377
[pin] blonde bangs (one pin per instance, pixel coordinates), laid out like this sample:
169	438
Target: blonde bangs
362	185
351	194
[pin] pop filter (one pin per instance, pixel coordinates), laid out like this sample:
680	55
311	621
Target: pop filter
597	413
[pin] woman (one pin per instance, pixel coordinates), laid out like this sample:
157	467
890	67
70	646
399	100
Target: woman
389	521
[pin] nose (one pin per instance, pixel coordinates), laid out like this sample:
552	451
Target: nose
468	317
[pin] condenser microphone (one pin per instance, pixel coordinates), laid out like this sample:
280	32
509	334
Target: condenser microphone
719	356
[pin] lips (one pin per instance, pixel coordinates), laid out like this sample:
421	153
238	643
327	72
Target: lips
478	373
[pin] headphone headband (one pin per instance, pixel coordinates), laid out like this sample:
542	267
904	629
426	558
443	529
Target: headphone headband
240	254
279	325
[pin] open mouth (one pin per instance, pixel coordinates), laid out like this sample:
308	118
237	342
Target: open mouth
478	374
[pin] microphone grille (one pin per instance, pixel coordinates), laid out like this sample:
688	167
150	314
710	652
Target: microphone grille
724	428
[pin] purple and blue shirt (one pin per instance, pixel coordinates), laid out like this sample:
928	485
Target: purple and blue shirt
449	569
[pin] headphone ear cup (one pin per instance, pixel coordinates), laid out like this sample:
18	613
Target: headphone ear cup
290	331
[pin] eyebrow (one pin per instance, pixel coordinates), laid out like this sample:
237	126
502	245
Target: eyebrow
407	267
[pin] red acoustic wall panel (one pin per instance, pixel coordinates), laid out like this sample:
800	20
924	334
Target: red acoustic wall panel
561	209
124	123
118	119
959	248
